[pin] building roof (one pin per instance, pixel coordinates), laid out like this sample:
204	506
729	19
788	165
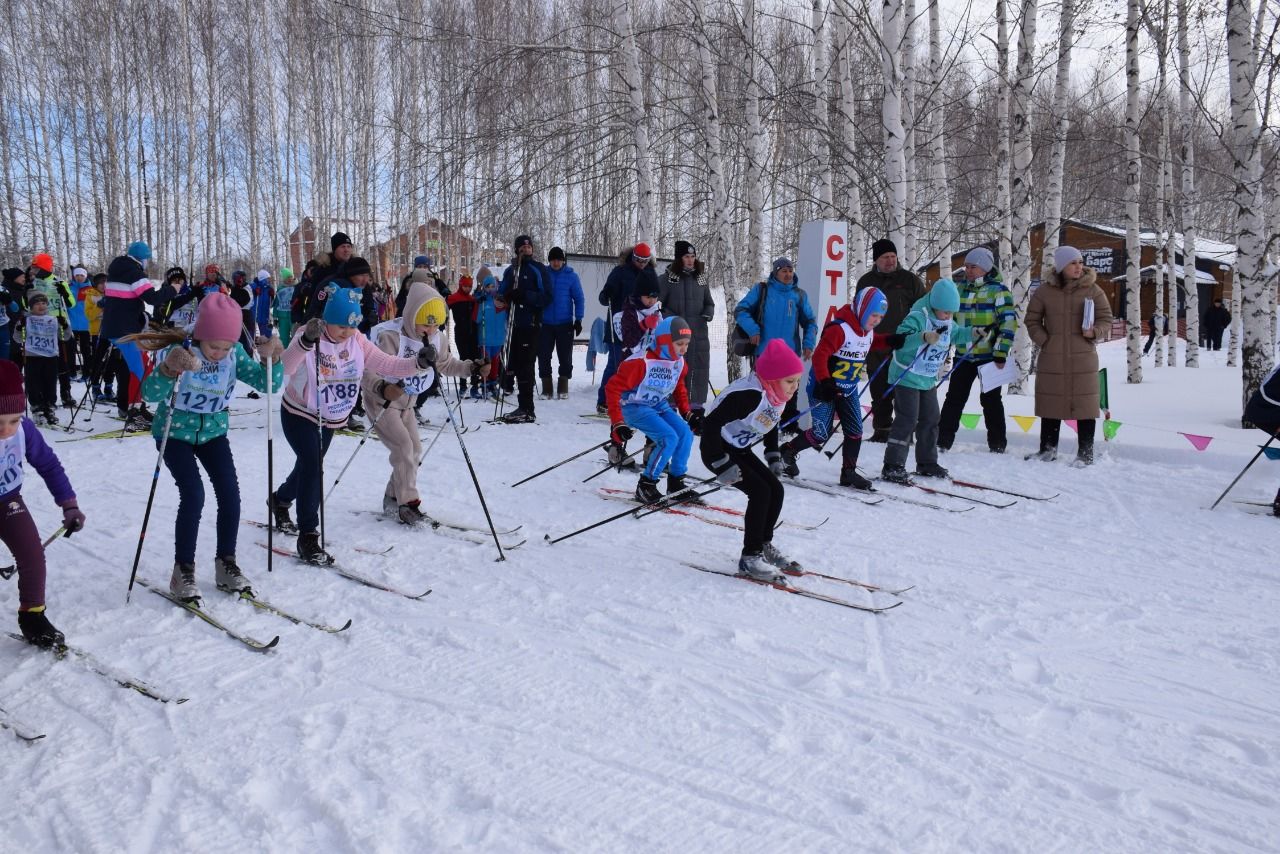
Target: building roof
1209	250
1149	271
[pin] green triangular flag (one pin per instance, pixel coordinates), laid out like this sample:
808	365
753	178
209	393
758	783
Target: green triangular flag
970	419
1110	429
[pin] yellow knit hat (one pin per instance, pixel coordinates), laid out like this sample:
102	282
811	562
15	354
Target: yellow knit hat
431	312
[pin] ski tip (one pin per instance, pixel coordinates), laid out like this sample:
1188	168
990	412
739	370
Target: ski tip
415	598
347	625
176	701
268	645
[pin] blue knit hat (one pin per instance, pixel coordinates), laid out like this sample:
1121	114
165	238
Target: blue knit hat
944	296
343	308
138	250
422	261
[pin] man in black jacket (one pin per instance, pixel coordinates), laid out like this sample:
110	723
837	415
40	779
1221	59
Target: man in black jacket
902	288
526	287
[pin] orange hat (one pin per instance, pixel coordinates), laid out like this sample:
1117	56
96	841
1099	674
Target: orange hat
642	251
43	261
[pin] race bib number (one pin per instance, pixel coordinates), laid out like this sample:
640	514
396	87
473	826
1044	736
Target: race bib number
930	361
208	390
42	335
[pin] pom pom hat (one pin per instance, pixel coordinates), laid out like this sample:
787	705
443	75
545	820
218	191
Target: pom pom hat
219	319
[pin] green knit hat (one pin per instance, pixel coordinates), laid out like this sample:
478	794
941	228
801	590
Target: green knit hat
285	273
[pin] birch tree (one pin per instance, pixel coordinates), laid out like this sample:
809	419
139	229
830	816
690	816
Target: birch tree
1003	160
938	124
1061	124
895	156
1186	188
1019	262
1133	182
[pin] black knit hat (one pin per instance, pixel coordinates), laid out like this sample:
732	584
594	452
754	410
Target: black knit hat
882	246
555	254
339	239
647	287
521	240
355	266
683	248
174	272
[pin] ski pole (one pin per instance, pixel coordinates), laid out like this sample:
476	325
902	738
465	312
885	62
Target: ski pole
94	377
155	477
500	403
1242	471
562	462
271	481
7	572
641	511
615	466
320	437
474	480
364	438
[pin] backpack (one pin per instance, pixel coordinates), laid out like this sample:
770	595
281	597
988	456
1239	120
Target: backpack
742	345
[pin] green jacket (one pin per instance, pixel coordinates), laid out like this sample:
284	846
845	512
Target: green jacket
985	304
195	428
917	322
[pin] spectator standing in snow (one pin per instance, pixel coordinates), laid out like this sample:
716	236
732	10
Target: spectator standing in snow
526	288
902	289
785	315
683	294
1067	370
1216	321
561	321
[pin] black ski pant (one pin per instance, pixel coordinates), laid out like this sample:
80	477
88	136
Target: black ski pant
42	381
557	337
1051	430
881	399
523	353
962	379
764	500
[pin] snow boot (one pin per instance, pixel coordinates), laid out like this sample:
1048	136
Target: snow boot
773	557
602	409
37	630
280	518
932	470
562	388
182	583
49	416
1084	455
677	482
518	416
228	576
790	451
546	387
410	514
757	569
647	491
896	474
309	550
1044	455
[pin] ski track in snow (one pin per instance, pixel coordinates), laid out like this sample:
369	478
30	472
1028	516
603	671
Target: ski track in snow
1097	672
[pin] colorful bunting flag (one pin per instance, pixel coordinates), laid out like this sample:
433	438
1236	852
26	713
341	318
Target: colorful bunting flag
1073	424
1272	453
1025	421
970	419
1198	442
1110	429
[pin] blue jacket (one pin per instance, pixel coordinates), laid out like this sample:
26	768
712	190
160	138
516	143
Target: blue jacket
491	324
566	303
531	293
621	284
262	298
786	312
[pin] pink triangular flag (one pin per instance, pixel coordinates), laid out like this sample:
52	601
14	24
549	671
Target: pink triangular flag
866	409
1198	442
1071	422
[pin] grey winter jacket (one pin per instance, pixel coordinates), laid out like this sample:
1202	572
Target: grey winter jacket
683	294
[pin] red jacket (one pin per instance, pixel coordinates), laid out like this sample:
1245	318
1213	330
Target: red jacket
833	337
629	376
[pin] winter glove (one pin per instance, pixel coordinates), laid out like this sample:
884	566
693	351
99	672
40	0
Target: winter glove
480	368
577	326
896	340
651	322
391	392
270	350
727	471
178	361
427	355
72	518
311	332
826	389
931	337
621	433
694	420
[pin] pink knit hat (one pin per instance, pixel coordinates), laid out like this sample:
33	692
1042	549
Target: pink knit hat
219	319
12	400
778	361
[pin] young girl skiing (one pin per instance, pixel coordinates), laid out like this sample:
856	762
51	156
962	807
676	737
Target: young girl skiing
913	373
19	441
838	362
309	416
202	381
390	402
40	340
637	397
746	410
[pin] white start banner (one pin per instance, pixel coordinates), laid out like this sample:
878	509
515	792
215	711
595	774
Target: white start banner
823	266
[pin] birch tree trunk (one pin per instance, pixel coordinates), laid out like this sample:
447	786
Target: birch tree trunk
1019	263
755	165
938	123
1133	180
639	121
1002	206
821	111
895	158
1187	192
1061	124
1254	313
909	248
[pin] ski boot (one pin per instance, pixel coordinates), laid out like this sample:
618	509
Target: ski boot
519	416
309	550
182	584
850	477
757	569
280	518
790	451
773	557
647	491
562	388
253	395
390	507
228	576
411	514
896	474
776	464
677	482
50	417
932	470
37	630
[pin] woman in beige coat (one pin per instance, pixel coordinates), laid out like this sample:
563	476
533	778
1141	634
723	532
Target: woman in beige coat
1067	370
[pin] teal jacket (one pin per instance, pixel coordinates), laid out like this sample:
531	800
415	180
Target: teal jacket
193	427
918	321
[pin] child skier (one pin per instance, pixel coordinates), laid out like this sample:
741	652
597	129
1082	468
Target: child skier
391	403
205	377
634	325
913	373
462	307
838	362
637	396
309	416
43	359
1263	411
491	326
746	410
20	440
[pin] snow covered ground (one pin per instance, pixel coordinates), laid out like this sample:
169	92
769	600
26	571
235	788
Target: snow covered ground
1097	672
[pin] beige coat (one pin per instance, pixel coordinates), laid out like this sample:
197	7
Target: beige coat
1067	370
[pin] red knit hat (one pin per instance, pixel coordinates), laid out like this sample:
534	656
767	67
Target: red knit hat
12	399
43	261
642	251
